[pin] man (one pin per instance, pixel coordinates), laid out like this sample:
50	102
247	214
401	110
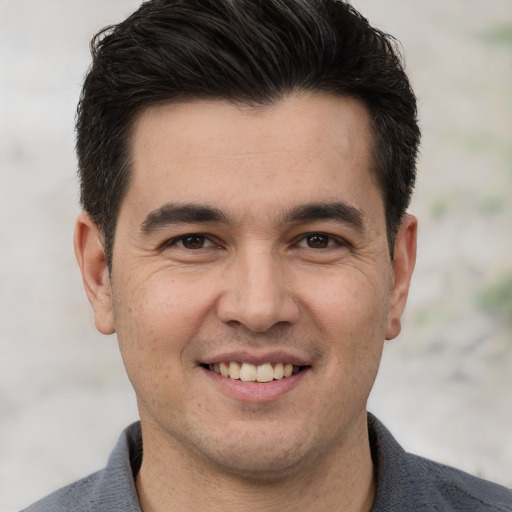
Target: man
246	168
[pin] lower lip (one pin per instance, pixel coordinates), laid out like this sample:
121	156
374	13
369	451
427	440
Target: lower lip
256	391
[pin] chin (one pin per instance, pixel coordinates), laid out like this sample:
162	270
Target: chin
260	456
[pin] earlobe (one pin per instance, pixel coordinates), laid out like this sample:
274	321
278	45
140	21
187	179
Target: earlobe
90	254
403	265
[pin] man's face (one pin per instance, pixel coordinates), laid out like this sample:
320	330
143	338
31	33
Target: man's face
251	239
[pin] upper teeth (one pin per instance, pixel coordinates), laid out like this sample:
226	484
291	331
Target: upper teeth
248	372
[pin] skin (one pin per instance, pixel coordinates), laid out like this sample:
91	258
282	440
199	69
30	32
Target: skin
266	280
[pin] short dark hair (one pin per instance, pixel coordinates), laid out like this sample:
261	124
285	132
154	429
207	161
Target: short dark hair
246	51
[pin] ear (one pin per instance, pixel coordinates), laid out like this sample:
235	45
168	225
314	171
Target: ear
90	254
402	265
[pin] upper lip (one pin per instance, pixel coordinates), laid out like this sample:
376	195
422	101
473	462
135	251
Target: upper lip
257	358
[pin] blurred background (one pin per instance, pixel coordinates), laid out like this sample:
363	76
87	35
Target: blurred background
445	385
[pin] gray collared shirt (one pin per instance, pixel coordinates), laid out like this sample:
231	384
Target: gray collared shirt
405	482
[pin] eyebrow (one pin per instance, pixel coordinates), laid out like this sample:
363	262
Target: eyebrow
337	211
172	213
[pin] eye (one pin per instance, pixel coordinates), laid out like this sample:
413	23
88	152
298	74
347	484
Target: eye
316	241
191	241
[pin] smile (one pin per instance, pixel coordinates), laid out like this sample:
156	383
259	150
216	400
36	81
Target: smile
248	372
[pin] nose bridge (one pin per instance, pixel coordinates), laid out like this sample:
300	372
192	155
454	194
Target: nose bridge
256	292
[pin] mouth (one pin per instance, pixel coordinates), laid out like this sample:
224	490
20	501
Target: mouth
248	372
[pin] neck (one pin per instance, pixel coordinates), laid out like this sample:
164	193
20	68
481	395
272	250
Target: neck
171	479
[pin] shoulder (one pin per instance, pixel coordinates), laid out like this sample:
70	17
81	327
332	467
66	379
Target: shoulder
455	490
79	496
110	490
409	482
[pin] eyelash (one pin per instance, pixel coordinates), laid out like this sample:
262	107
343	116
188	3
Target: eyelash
180	239
331	241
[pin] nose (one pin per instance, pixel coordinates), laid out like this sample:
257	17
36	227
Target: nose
257	293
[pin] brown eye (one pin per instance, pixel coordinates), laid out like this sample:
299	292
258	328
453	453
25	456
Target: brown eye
193	241
317	241
190	241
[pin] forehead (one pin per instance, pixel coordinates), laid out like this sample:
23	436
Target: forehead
306	148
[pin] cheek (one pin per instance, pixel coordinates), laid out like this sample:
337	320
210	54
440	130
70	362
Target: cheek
352	317
156	318
350	304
